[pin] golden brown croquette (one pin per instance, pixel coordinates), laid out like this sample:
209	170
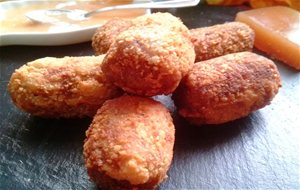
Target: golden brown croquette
221	39
107	33
129	144
149	60
227	88
61	87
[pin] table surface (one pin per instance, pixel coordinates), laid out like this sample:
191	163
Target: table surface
260	151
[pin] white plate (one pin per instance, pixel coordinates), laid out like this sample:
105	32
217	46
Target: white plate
71	36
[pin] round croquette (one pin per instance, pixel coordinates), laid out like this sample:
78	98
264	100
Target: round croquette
129	144
107	33
221	39
61	87
226	88
148	61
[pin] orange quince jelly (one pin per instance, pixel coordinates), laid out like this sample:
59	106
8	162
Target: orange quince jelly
277	32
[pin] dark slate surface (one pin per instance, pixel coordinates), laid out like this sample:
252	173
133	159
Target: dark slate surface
260	151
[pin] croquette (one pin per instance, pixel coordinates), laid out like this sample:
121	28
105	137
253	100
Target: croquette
61	87
107	33
226	88
221	39
129	144
148	61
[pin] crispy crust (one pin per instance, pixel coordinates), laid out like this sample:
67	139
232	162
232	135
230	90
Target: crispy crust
165	20
221	39
129	144
149	60
107	33
61	87
227	88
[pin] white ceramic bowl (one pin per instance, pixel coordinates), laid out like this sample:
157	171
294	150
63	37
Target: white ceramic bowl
71	36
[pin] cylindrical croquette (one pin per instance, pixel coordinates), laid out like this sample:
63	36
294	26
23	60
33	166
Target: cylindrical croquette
226	88
148	60
221	39
129	144
107	33
61	87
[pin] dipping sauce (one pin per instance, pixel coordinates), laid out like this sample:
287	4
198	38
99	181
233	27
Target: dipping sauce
277	32
14	20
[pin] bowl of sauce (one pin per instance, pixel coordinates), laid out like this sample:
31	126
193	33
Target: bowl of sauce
17	29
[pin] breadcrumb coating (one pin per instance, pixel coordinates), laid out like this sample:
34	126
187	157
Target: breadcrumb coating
221	39
227	88
129	144
107	33
61	87
149	60
165	20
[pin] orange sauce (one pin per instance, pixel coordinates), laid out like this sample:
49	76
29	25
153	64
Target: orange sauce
277	32
14	20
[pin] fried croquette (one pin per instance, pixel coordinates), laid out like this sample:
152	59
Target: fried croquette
226	88
107	33
61	87
129	144
221	39
149	60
